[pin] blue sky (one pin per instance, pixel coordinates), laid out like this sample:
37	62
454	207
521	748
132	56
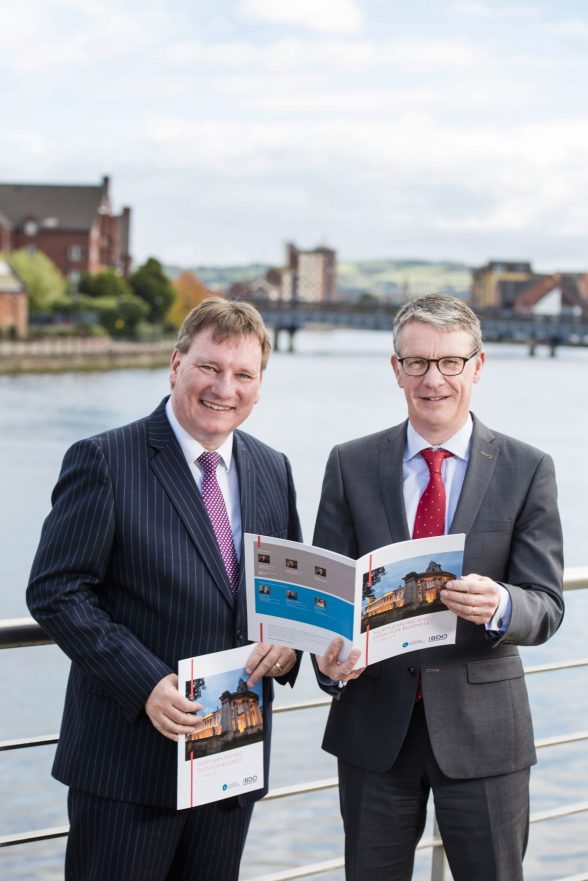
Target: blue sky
449	129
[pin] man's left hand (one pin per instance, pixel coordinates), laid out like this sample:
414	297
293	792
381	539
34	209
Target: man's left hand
269	660
473	597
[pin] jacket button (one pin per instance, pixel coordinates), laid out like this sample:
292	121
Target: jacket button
411	670
239	634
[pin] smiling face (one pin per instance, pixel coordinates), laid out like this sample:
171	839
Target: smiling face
215	385
438	405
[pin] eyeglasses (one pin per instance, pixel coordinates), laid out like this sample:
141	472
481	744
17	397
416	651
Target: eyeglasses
452	365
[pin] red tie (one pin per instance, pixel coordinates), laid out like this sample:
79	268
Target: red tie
430	515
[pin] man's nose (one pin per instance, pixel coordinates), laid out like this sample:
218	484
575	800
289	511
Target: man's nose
223	384
433	376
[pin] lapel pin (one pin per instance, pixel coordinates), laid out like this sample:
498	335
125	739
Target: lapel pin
487	455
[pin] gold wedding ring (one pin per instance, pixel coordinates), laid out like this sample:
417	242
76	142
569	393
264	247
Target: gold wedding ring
279	666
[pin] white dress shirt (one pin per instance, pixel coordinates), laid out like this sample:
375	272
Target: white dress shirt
226	472
415	477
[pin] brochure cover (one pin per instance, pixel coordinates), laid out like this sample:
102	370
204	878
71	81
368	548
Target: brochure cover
386	603
224	755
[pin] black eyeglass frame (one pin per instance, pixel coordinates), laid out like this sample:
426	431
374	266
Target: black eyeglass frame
437	362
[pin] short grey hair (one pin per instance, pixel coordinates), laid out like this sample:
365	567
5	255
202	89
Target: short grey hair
227	318
442	311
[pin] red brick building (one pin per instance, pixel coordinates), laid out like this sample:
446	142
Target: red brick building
72	224
13	303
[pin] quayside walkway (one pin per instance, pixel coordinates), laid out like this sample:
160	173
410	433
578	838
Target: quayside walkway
24	632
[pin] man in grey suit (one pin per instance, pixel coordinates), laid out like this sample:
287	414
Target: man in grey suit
454	719
130	577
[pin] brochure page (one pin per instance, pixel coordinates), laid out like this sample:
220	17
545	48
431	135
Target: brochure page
298	596
224	755
399	587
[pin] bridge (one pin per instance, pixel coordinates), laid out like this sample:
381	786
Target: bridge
497	326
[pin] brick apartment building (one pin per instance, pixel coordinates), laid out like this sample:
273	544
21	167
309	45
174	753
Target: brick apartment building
72	224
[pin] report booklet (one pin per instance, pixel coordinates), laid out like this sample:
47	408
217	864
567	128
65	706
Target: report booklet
385	604
224	755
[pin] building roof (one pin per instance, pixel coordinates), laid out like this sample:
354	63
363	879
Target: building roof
54	206
10	283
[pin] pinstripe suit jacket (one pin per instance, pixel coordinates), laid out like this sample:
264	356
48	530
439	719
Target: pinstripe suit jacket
128	579
474	692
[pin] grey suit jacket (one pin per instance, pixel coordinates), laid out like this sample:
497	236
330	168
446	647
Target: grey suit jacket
128	579
474	692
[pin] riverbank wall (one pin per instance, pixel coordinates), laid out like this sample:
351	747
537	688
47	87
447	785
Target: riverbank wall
81	354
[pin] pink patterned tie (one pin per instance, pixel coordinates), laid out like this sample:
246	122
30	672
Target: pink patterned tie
217	512
430	515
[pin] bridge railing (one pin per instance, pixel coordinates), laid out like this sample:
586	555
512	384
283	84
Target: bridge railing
24	632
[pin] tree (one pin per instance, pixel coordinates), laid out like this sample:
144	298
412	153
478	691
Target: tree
151	284
105	283
120	316
189	291
195	688
46	286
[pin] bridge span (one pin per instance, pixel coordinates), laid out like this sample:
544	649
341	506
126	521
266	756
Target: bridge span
497	326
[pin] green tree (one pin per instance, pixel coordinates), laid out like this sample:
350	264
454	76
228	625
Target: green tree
152	285
105	283
47	288
120	316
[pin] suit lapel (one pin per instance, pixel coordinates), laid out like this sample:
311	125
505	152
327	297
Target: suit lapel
391	489
248	494
481	465
171	469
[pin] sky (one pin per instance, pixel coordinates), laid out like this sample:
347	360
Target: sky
433	129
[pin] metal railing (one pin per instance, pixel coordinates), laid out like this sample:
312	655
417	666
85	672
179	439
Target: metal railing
24	632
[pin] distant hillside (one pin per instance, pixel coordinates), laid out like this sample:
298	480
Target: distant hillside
383	278
397	278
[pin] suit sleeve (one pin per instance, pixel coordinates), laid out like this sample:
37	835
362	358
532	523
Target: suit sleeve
68	573
535	568
334	529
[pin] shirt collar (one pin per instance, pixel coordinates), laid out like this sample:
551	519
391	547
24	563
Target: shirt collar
458	444
192	448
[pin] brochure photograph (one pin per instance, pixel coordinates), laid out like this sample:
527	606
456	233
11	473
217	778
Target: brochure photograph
224	755
386	603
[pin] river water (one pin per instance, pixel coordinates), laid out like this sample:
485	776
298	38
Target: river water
337	386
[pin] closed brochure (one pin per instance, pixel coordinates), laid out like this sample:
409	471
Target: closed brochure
224	755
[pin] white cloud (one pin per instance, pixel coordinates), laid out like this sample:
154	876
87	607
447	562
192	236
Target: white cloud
326	16
576	27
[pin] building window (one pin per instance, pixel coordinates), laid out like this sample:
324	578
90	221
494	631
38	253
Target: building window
75	252
31	249
30	228
74	276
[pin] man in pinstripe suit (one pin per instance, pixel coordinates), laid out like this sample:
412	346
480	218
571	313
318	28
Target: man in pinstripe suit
129	578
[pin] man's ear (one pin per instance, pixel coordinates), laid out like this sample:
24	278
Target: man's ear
396	368
174	364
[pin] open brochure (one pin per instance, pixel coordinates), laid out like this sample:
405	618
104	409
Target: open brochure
385	604
224	755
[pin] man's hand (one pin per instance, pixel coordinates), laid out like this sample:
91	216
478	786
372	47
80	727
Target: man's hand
473	597
170	712
269	660
330	665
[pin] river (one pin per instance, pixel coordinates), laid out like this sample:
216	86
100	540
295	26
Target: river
337	386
